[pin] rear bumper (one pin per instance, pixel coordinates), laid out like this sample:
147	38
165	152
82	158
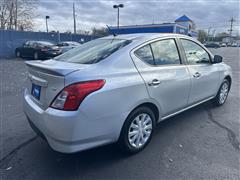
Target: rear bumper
71	131
50	54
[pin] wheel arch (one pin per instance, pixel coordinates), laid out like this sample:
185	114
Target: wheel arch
151	106
228	77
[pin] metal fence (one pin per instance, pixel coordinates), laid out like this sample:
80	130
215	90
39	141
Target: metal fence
10	40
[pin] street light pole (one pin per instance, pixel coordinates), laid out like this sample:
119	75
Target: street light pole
47	17
118	7
118	18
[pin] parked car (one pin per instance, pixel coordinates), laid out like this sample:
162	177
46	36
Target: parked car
67	45
223	45
212	45
38	50
234	45
116	89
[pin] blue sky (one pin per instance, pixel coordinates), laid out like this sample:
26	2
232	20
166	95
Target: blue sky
89	14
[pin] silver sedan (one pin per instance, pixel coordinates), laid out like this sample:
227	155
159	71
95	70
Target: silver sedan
117	88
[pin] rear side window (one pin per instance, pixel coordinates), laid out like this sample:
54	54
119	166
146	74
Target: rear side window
93	51
165	52
145	54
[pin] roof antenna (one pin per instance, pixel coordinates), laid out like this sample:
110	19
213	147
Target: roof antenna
109	30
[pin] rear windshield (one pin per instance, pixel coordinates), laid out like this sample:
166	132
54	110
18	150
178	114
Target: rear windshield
44	43
93	51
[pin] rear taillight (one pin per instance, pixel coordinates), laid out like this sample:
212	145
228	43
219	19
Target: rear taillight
44	49
71	96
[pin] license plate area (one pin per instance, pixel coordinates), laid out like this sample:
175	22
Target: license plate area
36	91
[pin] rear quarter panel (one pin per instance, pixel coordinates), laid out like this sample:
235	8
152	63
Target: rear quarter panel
108	108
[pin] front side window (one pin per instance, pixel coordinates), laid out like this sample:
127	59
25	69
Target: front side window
93	51
195	54
26	44
31	44
165	52
145	54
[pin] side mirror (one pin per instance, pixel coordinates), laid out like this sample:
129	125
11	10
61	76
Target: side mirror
217	59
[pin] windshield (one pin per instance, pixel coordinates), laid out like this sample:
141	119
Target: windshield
93	51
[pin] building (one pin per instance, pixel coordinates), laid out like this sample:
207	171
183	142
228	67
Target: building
182	25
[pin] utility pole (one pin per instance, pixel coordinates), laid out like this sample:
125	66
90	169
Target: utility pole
74	18
153	20
231	26
213	34
208	34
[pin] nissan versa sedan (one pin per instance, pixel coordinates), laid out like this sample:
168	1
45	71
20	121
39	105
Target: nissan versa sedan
117	88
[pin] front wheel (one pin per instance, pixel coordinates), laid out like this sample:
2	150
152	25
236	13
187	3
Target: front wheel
137	130
35	56
223	91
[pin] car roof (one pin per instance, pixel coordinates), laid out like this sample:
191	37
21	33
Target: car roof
39	41
69	41
144	36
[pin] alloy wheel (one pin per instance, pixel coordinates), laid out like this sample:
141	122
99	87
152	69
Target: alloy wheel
223	93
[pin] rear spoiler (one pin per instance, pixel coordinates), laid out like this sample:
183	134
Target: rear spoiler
52	67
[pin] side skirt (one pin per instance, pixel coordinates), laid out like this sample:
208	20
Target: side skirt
189	107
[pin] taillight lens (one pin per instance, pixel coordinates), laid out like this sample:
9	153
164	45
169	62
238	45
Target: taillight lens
44	49
71	96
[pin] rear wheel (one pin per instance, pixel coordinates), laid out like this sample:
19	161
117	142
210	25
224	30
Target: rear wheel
35	56
222	93
18	54
137	131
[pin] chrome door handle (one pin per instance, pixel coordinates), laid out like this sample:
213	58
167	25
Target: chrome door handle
154	82
197	75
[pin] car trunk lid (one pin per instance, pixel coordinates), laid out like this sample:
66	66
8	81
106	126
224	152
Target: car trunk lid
47	79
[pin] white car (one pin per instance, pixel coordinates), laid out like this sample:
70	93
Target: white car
68	45
117	88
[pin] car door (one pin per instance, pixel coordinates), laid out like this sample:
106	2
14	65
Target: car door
24	49
32	48
204	74
27	49
166	78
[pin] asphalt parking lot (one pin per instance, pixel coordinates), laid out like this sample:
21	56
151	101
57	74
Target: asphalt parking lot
201	143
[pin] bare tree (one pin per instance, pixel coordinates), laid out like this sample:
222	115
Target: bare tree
99	32
17	14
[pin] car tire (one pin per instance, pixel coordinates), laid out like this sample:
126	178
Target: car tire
222	94
137	130
35	56
18	54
